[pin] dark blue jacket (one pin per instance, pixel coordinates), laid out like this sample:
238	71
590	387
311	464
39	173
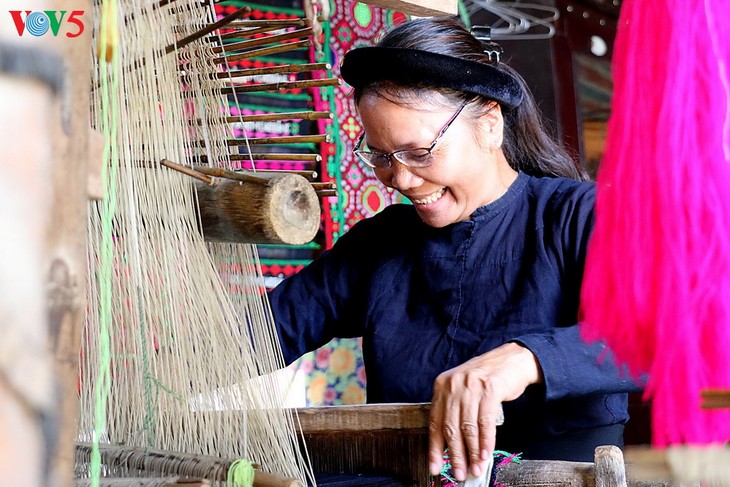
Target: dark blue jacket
428	299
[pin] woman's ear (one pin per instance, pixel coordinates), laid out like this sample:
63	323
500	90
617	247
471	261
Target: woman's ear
491	127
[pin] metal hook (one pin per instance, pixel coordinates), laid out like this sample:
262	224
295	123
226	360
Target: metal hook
483	33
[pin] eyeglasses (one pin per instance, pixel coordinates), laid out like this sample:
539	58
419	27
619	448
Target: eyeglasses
420	157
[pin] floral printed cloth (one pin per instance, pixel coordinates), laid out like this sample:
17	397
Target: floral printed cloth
335	374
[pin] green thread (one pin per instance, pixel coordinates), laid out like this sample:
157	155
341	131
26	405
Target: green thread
149	419
240	474
176	395
109	109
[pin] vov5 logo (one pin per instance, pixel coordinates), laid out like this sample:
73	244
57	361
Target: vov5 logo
39	23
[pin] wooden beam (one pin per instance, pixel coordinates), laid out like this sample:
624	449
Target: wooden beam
420	8
363	417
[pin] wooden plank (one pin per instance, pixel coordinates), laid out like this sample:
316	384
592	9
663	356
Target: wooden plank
547	472
363	418
66	260
420	8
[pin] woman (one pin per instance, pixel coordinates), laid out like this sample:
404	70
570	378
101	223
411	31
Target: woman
469	296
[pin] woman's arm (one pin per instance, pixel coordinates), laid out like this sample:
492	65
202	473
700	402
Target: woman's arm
467	402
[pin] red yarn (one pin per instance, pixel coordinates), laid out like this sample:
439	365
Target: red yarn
657	280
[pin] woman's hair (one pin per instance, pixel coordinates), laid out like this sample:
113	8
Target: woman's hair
526	144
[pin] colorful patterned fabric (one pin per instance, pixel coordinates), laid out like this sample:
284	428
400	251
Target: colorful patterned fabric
352	24
336	374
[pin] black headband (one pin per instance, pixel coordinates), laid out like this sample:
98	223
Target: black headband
365	65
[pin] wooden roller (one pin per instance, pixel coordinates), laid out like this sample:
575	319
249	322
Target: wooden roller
284	209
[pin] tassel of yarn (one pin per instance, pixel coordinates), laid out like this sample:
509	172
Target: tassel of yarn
240	474
657	279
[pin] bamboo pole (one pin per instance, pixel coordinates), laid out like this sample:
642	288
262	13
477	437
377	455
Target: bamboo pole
283	86
266	51
271	156
264	174
238	34
276	156
270	23
267	117
188	171
289	139
306	174
236	176
207	29
325	185
281	69
262	41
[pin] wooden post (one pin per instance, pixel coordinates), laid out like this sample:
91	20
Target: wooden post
65	258
284	211
609	465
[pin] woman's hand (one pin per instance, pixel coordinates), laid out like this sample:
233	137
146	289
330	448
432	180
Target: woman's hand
467	404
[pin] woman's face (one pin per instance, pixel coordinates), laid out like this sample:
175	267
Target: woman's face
468	168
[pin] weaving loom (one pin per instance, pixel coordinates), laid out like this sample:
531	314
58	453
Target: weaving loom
186	369
185	396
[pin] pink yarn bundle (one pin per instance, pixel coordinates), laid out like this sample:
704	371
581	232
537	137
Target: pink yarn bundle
657	280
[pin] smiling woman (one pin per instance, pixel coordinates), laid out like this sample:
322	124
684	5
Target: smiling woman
469	297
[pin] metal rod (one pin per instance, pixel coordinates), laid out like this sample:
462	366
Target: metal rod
325	193
262	41
280	69
237	176
188	171
263	52
207	29
283	86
